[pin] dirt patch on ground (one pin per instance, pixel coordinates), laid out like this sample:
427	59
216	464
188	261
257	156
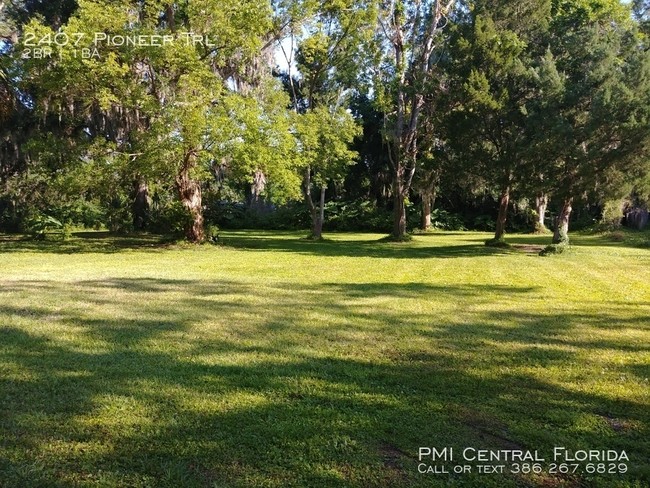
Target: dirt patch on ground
528	248
392	457
494	433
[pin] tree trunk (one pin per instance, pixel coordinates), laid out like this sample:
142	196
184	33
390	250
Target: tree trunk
318	216
541	202
170	17
399	215
189	192
321	217
257	188
562	223
504	200
413	70
428	201
426	213
316	225
141	204
316	221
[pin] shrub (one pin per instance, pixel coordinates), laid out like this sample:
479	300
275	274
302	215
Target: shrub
392	238
564	238
540	229
497	243
212	233
557	248
40	225
443	220
617	236
84	213
357	215
235	215
170	218
612	217
484	223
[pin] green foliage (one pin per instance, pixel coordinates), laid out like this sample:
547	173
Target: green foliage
549	95
118	215
616	236
540	229
600	93
333	51
612	215
551	249
324	137
493	78
443	220
160	107
212	233
340	215
235	215
170	217
498	243
484	222
569	13
40	225
256	134
393	238
358	215
564	238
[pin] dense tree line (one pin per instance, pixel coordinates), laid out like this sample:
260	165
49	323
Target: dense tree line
159	115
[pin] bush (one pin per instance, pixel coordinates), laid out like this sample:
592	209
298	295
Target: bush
344	216
39	225
81	213
564	238
497	243
212	233
443	220
392	238
540	229
357	215
484	223
226	214
12	217
555	249
585	221
235	215
617	236
287	217
170	218
612	218
118	214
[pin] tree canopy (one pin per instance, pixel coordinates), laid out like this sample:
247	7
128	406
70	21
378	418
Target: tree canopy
158	115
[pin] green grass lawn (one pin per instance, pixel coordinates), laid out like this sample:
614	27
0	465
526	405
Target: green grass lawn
269	361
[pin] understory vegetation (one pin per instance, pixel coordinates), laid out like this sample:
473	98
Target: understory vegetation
334	115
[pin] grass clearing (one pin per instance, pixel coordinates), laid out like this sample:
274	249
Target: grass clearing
272	361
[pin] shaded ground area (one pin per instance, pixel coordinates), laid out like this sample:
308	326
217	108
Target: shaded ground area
79	242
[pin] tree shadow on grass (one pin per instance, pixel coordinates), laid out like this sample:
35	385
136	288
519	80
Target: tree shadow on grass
85	242
358	248
628	239
104	242
212	384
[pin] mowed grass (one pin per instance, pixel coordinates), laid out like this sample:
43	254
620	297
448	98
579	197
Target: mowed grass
270	361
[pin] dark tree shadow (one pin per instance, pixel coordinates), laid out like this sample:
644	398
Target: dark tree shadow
85	242
270	398
376	248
